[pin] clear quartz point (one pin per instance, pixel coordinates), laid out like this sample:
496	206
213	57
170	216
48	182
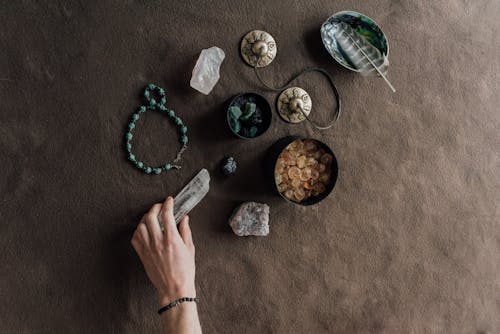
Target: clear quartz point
190	196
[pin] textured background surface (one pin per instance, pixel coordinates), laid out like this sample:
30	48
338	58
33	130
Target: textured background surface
408	242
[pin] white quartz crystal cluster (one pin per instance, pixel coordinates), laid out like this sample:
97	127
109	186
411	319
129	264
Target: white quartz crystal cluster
206	71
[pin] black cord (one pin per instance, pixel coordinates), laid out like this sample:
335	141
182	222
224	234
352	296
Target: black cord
306	70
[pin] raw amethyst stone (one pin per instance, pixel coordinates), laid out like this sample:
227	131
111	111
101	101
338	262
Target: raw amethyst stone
250	218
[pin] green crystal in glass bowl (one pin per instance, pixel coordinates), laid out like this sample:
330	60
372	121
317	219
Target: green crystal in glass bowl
362	24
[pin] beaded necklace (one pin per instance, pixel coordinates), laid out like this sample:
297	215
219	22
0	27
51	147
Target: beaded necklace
161	107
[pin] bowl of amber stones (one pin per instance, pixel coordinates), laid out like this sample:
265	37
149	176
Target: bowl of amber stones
302	170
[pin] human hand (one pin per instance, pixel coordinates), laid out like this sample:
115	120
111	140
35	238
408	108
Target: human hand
168	256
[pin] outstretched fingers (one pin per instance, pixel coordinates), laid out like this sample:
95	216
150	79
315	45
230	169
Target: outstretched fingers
140	239
153	225
171	234
185	232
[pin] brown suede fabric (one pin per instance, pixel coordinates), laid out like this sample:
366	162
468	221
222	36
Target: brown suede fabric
408	241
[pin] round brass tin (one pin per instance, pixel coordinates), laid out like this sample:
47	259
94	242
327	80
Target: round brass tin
290	103
258	48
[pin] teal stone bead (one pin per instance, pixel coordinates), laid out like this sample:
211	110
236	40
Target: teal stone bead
184	139
140	164
178	121
135	117
184	129
171	113
161	91
129	146
131	157
157	171
151	86
163	100
131	126
146	94
129	136
152	102
152	107
148	170
162	107
168	166
142	109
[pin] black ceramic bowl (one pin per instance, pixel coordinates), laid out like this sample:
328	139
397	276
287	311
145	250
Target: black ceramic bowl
262	106
272	158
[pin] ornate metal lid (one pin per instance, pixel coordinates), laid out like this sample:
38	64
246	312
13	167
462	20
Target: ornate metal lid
258	48
290	103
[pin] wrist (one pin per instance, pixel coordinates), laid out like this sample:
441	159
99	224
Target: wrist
166	298
185	310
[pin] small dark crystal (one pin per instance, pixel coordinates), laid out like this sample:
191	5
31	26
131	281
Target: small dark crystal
245	132
256	117
228	166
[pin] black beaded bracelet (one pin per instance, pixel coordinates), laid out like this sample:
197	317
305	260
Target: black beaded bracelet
177	302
